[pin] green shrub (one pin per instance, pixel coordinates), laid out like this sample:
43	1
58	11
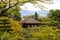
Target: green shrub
8	36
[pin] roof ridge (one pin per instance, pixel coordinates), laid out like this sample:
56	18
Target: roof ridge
30	20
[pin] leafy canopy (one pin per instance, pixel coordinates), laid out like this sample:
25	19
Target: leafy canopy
54	15
11	3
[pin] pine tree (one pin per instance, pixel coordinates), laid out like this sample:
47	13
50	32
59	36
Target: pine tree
5	24
36	16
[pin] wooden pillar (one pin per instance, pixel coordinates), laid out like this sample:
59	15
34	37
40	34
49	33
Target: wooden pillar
32	25
35	25
28	25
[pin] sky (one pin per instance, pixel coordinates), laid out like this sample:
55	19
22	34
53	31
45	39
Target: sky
30	9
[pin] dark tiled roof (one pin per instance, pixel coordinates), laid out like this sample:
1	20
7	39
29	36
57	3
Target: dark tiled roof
30	20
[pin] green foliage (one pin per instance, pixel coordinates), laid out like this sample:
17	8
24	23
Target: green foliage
8	36
5	24
26	17
6	5
15	25
36	16
14	13
33	33
10	29
41	33
54	15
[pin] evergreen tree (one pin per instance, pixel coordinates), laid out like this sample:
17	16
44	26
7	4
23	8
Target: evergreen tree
5	24
36	16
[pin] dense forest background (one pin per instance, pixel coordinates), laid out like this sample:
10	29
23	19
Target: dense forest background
11	29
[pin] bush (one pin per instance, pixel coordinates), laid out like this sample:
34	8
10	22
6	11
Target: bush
42	33
8	36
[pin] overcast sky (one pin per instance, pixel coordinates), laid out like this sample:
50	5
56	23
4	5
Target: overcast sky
29	9
56	5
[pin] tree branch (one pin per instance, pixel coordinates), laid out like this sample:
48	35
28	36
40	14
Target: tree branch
9	3
4	11
11	7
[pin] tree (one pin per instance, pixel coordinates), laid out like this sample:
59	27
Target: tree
5	24
26	17
36	16
54	15
14	13
8	36
6	5
41	33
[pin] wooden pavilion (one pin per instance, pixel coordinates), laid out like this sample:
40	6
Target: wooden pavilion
30	22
